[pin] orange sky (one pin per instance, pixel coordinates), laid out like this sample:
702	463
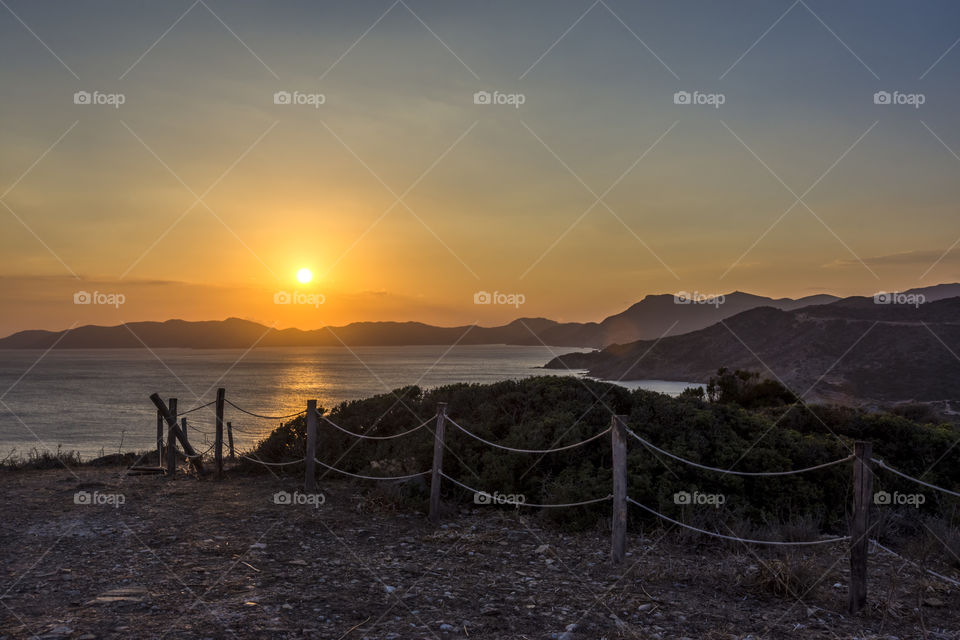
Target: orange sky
200	197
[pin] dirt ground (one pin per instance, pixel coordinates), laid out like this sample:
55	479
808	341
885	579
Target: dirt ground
190	558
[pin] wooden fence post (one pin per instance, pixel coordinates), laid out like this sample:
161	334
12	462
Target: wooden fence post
618	443
159	439
171	437
309	462
860	524
230	440
184	441
171	420
184	436
437	463
218	443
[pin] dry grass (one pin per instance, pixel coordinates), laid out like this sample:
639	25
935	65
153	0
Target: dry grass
790	576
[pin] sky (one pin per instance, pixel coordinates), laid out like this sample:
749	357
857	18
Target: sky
186	159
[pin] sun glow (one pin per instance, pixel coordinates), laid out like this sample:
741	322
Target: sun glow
304	276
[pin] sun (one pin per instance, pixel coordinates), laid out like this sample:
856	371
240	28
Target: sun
304	275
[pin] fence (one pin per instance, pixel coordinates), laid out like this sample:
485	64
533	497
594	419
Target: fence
862	461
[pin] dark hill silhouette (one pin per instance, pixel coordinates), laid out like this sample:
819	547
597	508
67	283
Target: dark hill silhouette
661	315
937	291
647	319
654	316
852	348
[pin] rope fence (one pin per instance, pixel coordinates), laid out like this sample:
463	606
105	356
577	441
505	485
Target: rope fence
949	580
196	456
861	460
650	445
258	415
272	464
778	543
525	503
203	406
883	465
515	450
363	436
356	475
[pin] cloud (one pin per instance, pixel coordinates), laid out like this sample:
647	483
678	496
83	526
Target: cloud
30	278
917	257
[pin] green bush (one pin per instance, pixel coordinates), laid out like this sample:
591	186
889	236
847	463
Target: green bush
549	412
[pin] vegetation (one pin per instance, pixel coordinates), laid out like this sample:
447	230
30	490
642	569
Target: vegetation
747	389
775	434
37	460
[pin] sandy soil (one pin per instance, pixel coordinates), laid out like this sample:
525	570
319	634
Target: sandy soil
192	558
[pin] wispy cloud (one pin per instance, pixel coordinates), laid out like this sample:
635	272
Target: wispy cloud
918	257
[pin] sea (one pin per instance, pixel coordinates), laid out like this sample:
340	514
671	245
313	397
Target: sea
96	401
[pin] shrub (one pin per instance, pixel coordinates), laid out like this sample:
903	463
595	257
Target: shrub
548	412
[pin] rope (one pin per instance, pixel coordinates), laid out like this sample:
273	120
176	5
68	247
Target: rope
933	573
354	475
738	473
528	504
366	437
734	538
199	455
500	446
203	406
882	464
272	464
236	429
257	415
208	434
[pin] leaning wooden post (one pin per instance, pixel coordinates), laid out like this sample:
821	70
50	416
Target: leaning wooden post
310	455
618	443
230	440
860	524
218	443
171	437
170	418
437	463
159	439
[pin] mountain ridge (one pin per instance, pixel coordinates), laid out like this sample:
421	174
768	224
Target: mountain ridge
655	316
853	348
